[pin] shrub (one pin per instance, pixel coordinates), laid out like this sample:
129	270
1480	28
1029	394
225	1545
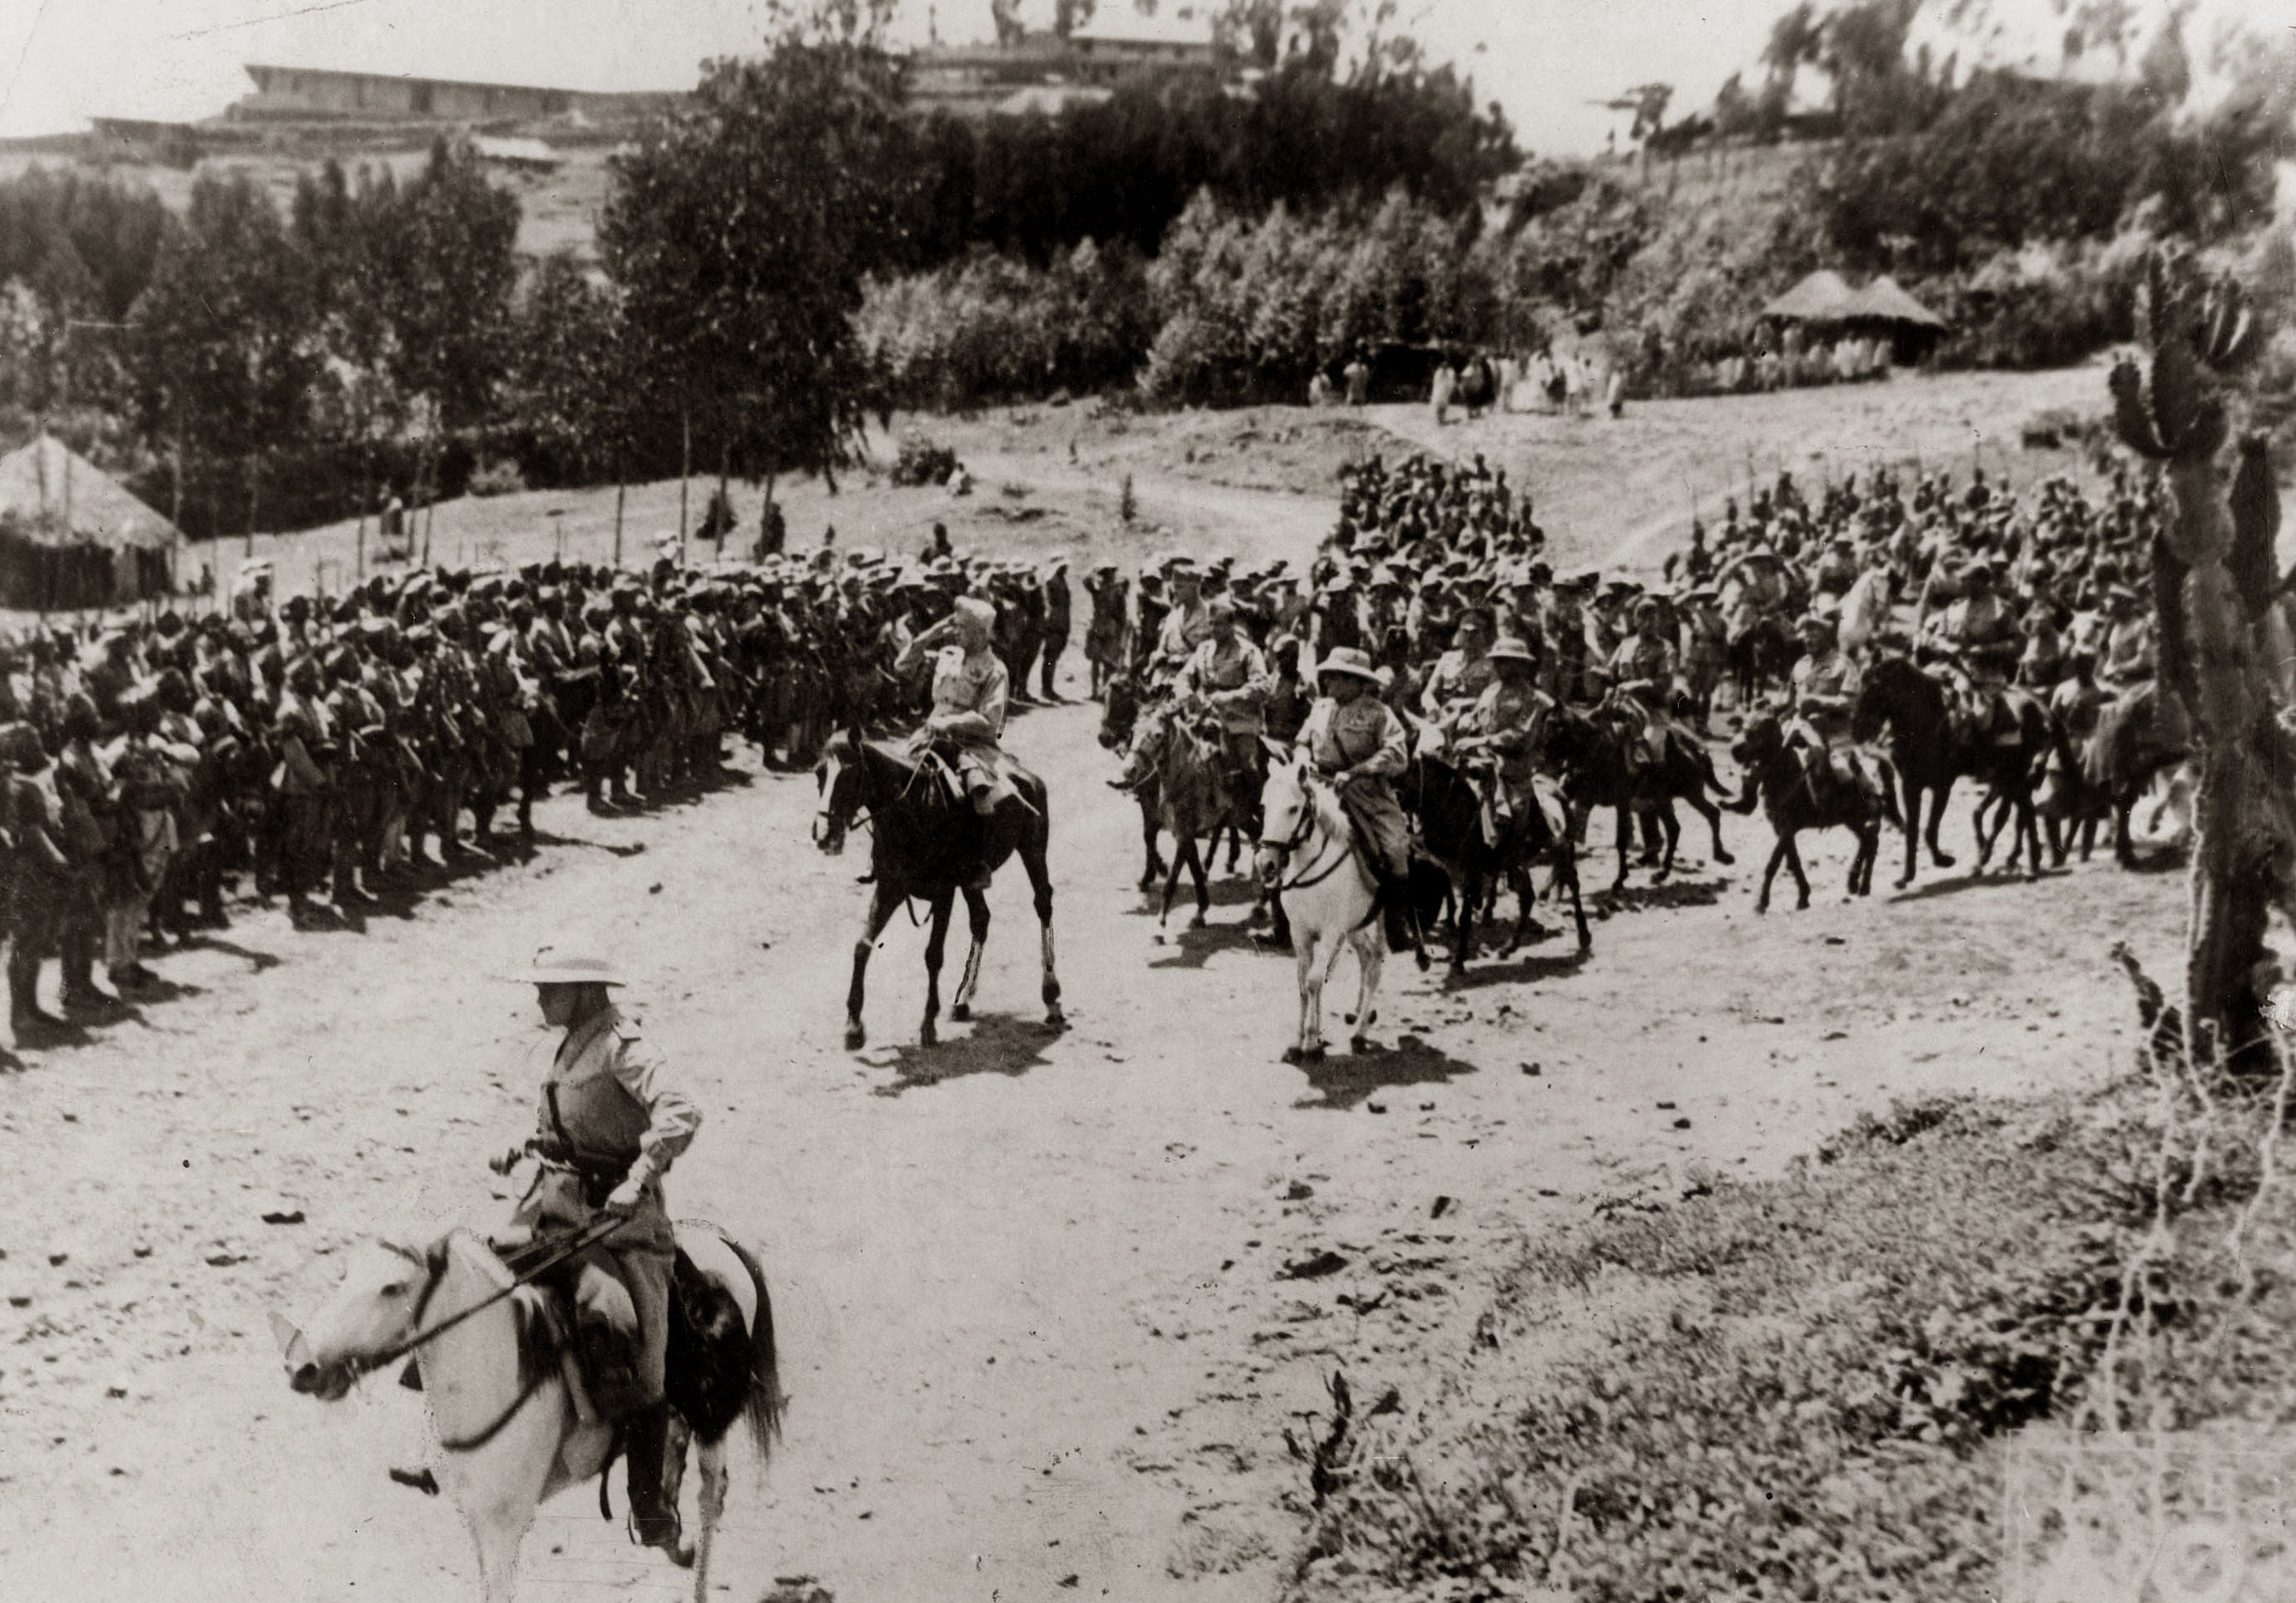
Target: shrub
496	476
992	329
1772	1390
923	462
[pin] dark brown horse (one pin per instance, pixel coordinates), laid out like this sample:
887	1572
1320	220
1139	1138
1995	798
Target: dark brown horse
927	843
1595	752
1120	717
1443	798
1759	655
1178	752
1932	744
1776	773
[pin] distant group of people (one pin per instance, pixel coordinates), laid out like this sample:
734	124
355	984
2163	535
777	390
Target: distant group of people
1570	384
1796	358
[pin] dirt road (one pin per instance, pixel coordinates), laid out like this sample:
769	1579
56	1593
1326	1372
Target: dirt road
1032	1287
1049	1302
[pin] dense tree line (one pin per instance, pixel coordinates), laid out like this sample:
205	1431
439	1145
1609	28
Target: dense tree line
795	250
1123	170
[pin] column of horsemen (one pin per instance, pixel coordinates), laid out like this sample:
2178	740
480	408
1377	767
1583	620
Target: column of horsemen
2025	620
329	751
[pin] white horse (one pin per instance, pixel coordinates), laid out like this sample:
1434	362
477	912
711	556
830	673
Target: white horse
511	1433
1307	850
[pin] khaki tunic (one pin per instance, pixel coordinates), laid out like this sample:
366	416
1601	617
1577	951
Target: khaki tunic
609	1113
1367	736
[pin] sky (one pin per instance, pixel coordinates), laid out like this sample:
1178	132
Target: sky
1544	60
64	61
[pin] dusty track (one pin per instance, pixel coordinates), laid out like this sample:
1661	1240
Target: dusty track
1032	1289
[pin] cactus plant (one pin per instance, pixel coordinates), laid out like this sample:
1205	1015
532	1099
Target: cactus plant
2212	577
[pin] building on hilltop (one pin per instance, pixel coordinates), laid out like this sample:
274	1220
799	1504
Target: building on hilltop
1122	40
1043	72
324	94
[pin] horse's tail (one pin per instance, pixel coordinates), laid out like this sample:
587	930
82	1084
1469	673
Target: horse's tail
762	1408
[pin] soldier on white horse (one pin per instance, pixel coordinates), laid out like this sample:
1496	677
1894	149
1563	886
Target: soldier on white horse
611	1122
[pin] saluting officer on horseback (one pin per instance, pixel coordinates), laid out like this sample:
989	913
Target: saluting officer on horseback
610	1122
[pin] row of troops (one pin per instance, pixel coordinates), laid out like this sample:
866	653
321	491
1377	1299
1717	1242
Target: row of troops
1433	601
327	749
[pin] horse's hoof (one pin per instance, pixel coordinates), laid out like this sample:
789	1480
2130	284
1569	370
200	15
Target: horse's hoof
1315	1054
928	1037
856	1038
1293	1054
1762	906
1358	1044
1902	883
1943	860
1198	922
1801	904
1056	1020
1424	962
961	1014
1725	859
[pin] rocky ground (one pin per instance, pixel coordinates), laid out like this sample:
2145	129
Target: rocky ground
1049	1302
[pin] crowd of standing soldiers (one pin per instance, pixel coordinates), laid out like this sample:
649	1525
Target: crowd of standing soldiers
335	750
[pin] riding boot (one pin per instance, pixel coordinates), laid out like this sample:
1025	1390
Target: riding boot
654	1518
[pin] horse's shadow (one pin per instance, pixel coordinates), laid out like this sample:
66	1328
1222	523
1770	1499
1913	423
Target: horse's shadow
1673	893
1990	879
1000	1043
1193	947
1520	971
1345	1078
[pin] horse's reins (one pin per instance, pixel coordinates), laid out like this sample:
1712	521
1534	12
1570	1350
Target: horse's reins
1307	821
580	1242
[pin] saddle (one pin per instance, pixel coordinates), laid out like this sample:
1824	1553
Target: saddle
703	1317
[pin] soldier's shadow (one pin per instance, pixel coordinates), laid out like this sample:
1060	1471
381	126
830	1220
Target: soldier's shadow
208	940
545	838
999	1043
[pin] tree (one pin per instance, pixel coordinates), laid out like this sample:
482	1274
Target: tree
570	386
740	233
2213	596
452	268
226	336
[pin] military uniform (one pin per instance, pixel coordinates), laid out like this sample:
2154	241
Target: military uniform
970	697
1367	736
609	1113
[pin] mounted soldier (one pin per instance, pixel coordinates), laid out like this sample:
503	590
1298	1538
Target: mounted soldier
610	1122
970	697
1229	674
1352	739
1820	697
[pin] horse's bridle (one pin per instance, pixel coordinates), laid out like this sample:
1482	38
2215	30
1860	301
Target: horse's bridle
1300	837
433	1264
